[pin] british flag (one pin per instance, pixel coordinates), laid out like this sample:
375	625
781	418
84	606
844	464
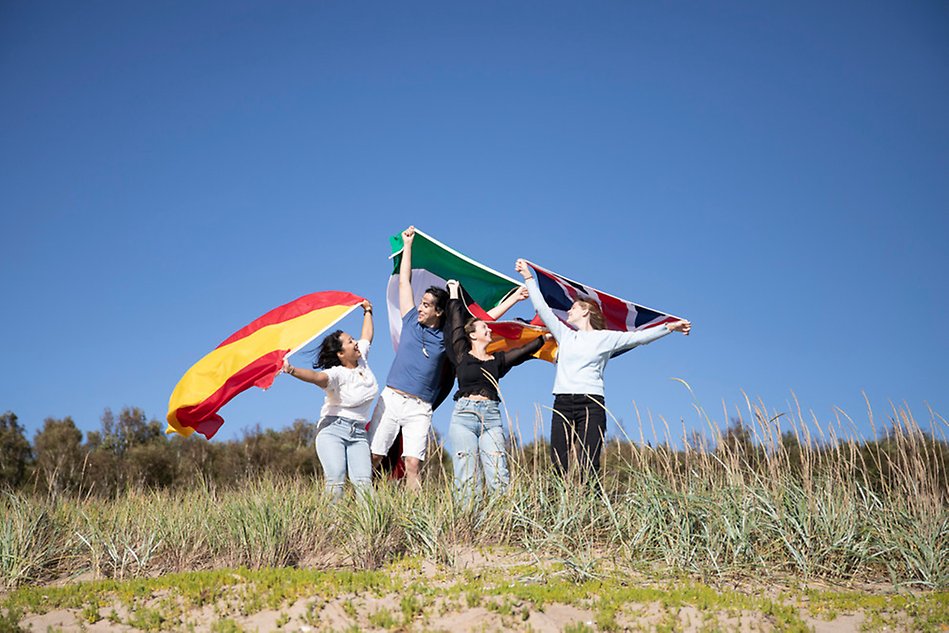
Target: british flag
625	316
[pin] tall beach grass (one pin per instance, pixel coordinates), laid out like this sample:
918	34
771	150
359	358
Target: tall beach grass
789	496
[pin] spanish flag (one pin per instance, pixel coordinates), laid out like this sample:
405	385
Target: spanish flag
251	356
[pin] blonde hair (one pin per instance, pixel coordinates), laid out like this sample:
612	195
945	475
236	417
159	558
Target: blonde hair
597	321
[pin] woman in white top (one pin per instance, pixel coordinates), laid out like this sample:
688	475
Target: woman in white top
584	348
341	442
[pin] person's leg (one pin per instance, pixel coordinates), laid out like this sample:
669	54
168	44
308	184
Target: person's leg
416	421
463	439
358	461
592	429
330	448
493	455
384	425
560	432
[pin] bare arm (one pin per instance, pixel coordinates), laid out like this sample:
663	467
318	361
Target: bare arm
518	295
406	298
367	330
318	378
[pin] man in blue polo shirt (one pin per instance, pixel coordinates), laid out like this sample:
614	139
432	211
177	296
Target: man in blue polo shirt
414	380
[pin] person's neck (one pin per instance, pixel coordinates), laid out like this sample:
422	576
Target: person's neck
350	364
480	350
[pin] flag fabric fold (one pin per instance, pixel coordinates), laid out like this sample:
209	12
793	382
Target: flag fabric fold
251	357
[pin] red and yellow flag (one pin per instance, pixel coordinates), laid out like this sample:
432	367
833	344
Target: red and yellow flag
251	356
507	335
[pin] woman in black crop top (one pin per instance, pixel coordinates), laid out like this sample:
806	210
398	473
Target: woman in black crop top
475	434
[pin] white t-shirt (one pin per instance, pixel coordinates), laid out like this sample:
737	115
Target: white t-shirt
350	392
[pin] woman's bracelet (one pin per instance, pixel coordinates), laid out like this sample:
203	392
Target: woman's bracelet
291	369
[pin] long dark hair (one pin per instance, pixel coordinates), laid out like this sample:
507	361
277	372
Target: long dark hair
326	356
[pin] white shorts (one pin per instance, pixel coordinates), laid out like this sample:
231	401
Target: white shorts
395	411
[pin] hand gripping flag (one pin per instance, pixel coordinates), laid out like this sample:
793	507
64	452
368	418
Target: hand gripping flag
619	314
251	356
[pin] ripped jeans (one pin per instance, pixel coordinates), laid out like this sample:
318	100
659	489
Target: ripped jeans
476	437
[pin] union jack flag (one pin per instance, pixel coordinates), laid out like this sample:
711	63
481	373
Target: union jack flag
619	314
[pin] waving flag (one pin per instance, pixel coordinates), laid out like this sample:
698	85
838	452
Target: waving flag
433	264
507	335
251	357
619	314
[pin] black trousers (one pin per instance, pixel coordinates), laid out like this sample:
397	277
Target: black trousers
578	419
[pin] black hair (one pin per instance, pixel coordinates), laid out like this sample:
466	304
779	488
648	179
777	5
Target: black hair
441	298
326	356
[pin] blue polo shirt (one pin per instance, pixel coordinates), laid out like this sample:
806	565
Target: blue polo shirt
418	359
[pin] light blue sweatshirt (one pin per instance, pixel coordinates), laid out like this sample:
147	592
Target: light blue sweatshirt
583	355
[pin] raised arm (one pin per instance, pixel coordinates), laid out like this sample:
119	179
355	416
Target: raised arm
455	325
518	295
367	329
406	298
555	325
318	378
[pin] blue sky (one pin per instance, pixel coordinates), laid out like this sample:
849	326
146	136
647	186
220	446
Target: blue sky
777	173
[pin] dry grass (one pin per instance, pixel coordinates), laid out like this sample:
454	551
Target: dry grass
798	499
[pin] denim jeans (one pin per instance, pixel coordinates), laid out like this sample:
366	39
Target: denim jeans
476	437
342	445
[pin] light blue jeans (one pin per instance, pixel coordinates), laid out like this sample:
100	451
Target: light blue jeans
342	445
476	437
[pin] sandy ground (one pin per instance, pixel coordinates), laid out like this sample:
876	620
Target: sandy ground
553	619
439	612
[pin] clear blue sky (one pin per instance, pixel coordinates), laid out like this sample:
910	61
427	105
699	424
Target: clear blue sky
776	172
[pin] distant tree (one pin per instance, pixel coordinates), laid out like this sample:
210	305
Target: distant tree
15	453
59	454
737	438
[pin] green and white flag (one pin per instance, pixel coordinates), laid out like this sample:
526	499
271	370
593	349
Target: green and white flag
433	264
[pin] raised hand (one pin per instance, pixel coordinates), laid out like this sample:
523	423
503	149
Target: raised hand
453	288
680	326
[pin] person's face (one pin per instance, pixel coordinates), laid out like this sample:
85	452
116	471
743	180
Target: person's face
349	354
428	314
577	314
481	334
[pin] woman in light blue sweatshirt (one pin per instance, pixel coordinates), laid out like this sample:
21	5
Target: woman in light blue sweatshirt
579	405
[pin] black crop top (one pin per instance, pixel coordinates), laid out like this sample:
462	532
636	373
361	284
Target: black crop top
475	376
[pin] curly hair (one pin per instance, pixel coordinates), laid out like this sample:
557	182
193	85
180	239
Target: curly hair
597	322
327	355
